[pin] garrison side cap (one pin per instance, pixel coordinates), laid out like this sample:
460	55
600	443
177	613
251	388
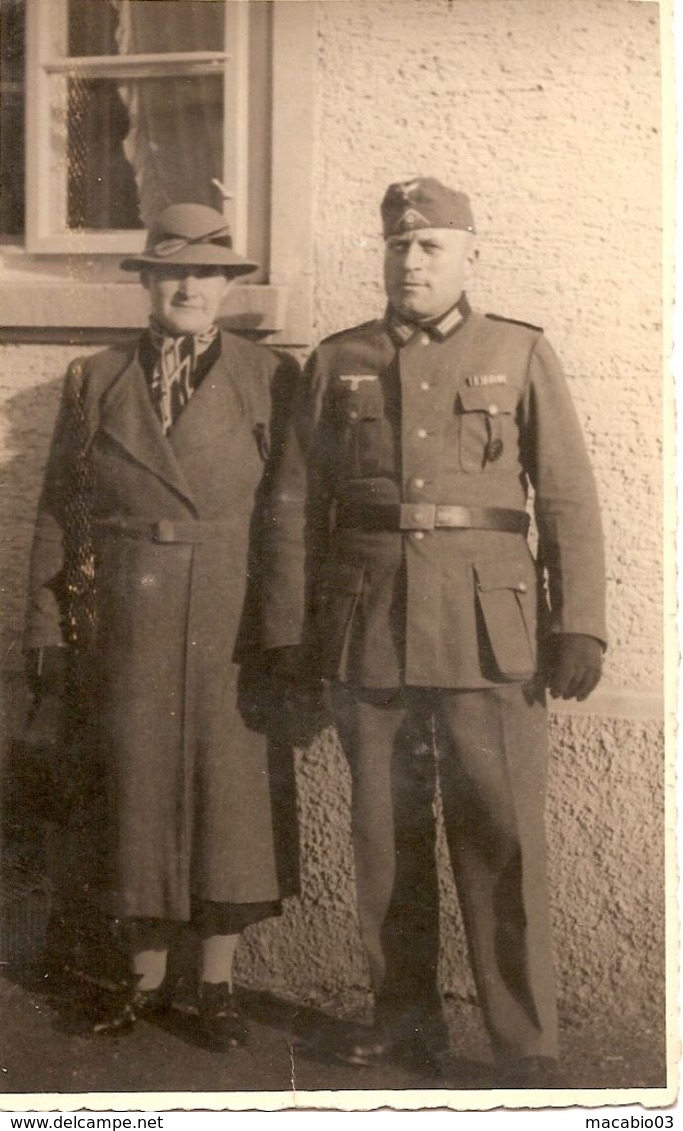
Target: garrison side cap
424	203
190	234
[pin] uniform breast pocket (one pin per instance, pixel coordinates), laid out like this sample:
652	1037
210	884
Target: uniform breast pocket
487	430
361	414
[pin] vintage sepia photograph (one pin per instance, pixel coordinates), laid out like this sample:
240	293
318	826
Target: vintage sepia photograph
336	434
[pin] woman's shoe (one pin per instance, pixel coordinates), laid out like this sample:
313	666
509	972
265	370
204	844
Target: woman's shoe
220	1021
119	1015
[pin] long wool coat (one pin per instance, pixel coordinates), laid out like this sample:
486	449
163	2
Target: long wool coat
478	416
176	526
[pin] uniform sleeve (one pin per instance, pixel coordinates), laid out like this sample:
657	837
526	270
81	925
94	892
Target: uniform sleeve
281	382
567	511
298	513
45	614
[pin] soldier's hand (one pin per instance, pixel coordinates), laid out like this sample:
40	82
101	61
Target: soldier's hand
46	671
574	665
294	676
286	666
297	682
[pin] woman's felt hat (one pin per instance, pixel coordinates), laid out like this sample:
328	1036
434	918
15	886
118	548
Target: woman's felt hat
190	234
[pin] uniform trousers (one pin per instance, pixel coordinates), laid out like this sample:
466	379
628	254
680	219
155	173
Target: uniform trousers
489	749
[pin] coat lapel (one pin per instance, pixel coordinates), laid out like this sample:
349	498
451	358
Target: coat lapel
128	417
215	410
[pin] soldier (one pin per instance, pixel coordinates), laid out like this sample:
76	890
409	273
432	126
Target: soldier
414	446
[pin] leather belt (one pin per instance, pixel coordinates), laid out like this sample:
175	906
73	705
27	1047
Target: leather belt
167	530
429	516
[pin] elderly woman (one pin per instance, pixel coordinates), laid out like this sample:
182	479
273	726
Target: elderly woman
144	582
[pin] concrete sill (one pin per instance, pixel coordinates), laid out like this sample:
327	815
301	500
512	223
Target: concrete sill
613	705
48	305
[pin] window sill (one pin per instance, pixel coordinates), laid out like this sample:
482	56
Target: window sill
52	306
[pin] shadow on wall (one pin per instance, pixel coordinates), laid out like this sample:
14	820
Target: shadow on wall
28	420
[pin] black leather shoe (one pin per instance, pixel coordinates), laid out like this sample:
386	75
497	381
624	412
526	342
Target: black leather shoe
414	1027
220	1021
410	1032
118	1016
434	1032
528	1072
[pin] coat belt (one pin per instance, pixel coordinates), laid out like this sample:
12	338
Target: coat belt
429	516
167	529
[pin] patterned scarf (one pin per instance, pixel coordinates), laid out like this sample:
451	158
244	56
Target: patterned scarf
176	373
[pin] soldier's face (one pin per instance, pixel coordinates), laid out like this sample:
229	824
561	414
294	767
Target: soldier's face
425	271
186	300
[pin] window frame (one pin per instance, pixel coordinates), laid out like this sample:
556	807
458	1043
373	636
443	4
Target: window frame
47	62
49	292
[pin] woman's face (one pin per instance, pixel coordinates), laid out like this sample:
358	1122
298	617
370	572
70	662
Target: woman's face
185	299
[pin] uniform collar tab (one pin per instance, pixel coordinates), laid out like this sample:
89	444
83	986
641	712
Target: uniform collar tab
402	329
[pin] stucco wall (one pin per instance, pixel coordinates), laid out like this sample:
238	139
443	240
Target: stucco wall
547	114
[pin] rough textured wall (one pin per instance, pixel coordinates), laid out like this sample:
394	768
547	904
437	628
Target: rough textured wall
547	114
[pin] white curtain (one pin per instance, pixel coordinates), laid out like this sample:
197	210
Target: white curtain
174	142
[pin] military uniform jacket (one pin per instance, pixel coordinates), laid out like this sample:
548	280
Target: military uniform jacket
175	523
476	413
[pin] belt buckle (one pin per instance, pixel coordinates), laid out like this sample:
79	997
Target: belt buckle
417	516
163	531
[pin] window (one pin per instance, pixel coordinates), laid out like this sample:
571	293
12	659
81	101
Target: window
133	104
12	118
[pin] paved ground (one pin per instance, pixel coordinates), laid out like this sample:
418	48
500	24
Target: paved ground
42	1051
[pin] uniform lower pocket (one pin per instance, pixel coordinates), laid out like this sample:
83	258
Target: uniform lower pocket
506	598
